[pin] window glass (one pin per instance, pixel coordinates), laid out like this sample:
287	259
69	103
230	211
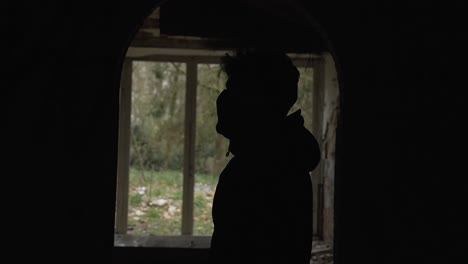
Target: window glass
156	148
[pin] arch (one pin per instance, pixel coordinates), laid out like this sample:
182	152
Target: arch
313	25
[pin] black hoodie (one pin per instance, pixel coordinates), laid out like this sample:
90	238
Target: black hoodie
262	209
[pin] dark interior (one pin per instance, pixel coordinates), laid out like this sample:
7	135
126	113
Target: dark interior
396	196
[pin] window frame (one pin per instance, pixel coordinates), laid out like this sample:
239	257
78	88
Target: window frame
187	239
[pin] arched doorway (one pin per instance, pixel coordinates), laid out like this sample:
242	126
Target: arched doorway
194	46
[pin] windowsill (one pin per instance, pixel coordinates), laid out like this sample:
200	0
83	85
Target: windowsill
186	241
151	241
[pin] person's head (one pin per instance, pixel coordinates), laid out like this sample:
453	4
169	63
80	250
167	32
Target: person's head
261	87
262	81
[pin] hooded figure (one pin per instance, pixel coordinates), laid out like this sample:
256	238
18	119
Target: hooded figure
262	208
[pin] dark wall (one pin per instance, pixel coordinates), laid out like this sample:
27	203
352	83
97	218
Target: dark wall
397	200
242	22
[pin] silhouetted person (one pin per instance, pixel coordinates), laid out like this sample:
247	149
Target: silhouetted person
262	209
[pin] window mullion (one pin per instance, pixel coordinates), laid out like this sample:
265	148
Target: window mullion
189	148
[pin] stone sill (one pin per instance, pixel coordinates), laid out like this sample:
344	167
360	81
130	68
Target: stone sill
199	242
183	241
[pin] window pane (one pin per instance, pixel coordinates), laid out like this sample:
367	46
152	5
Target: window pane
304	95
156	148
211	148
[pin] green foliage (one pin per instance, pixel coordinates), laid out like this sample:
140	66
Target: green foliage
153	214
178	195
210	146
135	199
199	201
157	120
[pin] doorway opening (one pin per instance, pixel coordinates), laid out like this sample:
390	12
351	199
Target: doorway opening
169	152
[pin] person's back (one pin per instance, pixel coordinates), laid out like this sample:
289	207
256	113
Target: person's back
262	209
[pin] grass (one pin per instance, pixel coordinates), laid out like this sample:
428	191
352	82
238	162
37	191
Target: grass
153	214
135	199
155	203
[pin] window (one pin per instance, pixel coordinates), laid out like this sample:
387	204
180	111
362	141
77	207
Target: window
170	155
